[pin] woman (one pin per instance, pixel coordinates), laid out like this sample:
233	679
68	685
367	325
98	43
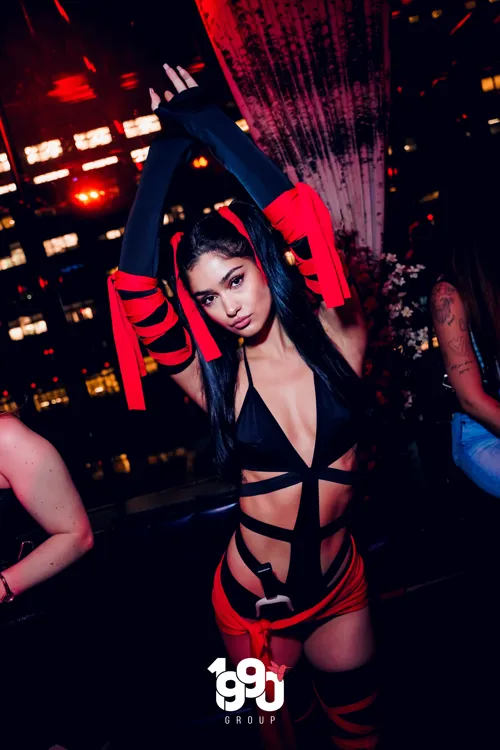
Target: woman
285	408
33	471
465	306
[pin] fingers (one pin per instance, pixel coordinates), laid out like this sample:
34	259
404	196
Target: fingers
176	80
191	83
155	99
168	95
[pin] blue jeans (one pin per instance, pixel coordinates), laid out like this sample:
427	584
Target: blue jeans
477	452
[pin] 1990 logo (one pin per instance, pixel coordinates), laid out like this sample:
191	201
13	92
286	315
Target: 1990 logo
233	688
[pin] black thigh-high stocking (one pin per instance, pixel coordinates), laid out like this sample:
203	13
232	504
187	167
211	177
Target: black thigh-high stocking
350	701
303	706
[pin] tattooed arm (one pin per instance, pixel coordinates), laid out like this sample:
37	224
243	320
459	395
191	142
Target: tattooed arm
450	321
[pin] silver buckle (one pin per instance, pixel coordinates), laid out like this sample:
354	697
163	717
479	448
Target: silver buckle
278	599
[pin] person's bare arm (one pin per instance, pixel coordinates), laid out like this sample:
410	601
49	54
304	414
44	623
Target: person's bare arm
41	482
346	327
450	321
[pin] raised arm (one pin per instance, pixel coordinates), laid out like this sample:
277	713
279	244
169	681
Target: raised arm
33	468
138	305
296	211
451	324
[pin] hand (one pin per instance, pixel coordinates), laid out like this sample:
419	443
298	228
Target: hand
181	81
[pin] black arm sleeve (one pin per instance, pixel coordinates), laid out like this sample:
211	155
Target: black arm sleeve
262	179
140	246
139	253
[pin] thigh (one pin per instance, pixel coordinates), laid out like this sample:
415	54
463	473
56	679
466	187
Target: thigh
341	644
283	650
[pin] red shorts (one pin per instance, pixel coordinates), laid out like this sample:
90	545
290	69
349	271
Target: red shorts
349	595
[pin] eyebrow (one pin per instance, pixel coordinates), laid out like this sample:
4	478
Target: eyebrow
221	282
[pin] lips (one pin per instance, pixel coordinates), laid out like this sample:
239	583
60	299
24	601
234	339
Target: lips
242	323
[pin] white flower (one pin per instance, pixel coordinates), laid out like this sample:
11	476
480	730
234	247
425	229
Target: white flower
391	258
406	312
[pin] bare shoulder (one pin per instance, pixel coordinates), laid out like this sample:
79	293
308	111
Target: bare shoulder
16	437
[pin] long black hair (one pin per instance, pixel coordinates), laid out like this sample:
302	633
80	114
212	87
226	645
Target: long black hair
213	233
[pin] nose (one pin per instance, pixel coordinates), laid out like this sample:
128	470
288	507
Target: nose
231	306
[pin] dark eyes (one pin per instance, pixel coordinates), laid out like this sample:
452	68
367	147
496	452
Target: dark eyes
234	283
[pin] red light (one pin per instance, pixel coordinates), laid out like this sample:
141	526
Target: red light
33	385
106	364
89	64
390	171
6	393
430	217
399	89
43	282
84	371
396	13
90	196
72	89
186	399
55	379
396	171
464	117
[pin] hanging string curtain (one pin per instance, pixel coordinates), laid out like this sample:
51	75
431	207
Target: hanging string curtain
311	79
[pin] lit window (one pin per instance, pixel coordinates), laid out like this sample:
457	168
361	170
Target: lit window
413	19
470	4
96	468
178	212
207	210
8	405
200	163
430	197
151	364
392	189
50	176
45	400
243	125
43	151
139	154
4	163
410	145
79	311
112	234
121	464
10	188
17	255
389	151
27	326
93	138
60	244
221	204
493	1
7	222
437	13
99	163
491	83
141	126
103	384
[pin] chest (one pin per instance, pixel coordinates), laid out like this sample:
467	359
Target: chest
288	419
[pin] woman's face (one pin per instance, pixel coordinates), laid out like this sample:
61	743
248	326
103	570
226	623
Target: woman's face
232	291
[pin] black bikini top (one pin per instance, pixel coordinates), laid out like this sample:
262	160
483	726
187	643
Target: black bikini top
261	444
